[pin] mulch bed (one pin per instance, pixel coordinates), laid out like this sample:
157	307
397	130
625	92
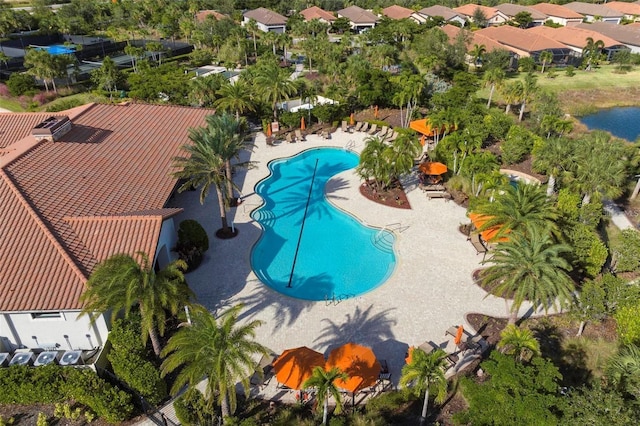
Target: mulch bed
392	197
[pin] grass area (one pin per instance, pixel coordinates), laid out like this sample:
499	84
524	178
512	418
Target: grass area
11	105
594	353
604	77
76	100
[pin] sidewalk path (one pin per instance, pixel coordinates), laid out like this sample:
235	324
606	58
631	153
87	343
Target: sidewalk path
617	216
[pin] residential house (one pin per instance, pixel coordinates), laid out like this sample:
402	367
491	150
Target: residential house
77	187
577	38
559	14
211	14
595	12
360	19
528	44
399	12
314	12
625	34
450	16
511	10
475	38
491	14
267	20
630	11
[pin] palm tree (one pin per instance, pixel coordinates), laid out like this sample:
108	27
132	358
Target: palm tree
530	267
546	56
553	157
477	53
121	282
518	342
526	91
426	372
324	382
252	27
203	90
624	370
374	163
493	77
219	349
235	98
232	132
511	94
203	167
592	51
273	85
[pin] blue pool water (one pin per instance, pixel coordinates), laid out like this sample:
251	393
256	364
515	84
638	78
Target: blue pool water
338	256
59	49
622	122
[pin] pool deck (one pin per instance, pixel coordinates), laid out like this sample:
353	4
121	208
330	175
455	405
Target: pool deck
430	290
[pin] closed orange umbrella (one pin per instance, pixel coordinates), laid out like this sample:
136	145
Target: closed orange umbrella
458	335
423	140
433	168
375	111
360	364
268	129
409	357
352	119
295	366
302	124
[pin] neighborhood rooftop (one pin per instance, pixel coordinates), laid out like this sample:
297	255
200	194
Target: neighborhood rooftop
266	16
358	15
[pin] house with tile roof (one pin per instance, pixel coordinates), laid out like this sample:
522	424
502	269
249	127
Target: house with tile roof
595	12
359	18
475	38
576	38
450	16
399	12
314	12
559	14
625	34
76	188
492	15
511	10
630	11
527	44
211	14
268	20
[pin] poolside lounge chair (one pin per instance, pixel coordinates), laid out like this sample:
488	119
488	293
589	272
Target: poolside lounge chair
467	341
345	127
290	138
394	135
383	131
270	140
373	129
267	371
365	127
477	244
358	126
300	135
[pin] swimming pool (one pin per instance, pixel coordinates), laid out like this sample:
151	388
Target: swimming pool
59	49
337	255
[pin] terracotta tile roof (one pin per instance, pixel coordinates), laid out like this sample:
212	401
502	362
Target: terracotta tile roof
397	12
490	45
593	9
358	15
16	126
203	14
573	36
511	10
624	7
314	12
98	190
470	9
446	12
556	10
266	16
520	39
625	34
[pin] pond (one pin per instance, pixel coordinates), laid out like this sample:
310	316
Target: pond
622	122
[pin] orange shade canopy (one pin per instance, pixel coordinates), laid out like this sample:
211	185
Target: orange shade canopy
433	168
302	124
458	335
360	364
489	235
295	366
422	126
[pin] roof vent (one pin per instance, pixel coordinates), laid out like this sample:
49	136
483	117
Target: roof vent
22	358
53	128
71	358
48	357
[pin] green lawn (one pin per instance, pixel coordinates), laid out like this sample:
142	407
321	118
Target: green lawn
78	99
11	105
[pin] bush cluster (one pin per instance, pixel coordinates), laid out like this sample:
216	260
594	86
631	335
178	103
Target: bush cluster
53	383
130	360
192	409
193	242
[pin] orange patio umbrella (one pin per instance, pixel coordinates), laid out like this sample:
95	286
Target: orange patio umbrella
360	364
422	126
423	140
268	129
458	335
295	366
352	119
302	124
409	357
489	235
433	168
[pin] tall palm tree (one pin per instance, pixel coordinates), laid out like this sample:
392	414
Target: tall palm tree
477	53
232	133
203	90
518	342
592	51
202	167
235	98
325	384
252	28
553	157
426	372
530	267
121	282
546	56
526	92
511	94
374	163
493	78
219	349
273	85
624	370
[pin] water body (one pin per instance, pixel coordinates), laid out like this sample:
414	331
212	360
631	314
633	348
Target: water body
338	256
622	122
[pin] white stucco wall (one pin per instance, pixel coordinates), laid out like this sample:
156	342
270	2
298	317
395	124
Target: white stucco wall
20	328
167	241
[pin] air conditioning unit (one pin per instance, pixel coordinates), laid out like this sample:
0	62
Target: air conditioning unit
71	358
48	357
22	358
4	359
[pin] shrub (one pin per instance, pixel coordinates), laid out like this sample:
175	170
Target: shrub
570	71
129	360
21	84
328	113
4	91
292	119
517	145
627	252
590	251
628	319
192	243
64	104
191	409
